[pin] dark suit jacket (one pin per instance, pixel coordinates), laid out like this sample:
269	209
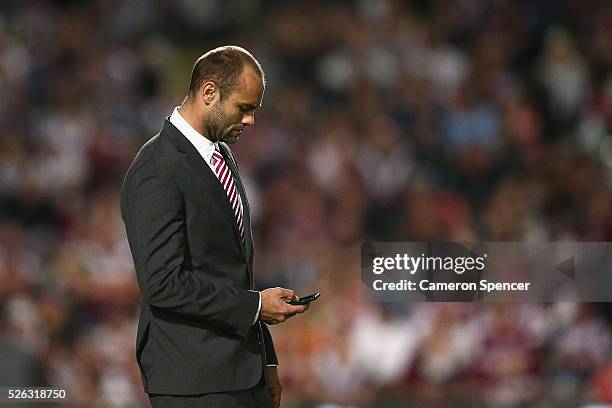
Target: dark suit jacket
195	332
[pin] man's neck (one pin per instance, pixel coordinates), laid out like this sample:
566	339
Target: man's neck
190	117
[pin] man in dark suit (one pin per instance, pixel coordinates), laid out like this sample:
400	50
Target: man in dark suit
201	340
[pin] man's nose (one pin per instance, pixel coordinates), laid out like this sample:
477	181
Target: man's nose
249	119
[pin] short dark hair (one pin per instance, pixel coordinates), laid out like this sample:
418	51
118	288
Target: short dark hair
223	66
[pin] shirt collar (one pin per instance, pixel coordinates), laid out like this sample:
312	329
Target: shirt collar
203	145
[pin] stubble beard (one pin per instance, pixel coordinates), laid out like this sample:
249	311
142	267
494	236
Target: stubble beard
216	126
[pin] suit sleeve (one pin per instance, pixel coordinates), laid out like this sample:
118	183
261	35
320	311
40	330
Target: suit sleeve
269	345
153	210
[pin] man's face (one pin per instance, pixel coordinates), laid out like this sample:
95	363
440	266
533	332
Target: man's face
228	118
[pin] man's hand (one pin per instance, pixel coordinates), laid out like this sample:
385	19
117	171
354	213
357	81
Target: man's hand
274	386
274	310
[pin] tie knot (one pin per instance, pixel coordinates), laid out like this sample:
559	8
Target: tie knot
217	157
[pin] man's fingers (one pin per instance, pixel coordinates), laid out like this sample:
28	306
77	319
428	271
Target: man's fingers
275	392
274	310
287	293
288	314
297	308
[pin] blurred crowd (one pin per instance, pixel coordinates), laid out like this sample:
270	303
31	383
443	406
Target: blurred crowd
454	120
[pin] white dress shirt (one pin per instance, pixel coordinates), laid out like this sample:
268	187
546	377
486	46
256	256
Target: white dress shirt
206	148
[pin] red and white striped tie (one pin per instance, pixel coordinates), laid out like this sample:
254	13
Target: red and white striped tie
224	175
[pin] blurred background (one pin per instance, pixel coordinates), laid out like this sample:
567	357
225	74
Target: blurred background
383	120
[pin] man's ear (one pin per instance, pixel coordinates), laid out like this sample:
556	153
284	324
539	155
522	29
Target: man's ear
209	92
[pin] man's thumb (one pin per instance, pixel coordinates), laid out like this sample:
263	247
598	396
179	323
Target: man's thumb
287	293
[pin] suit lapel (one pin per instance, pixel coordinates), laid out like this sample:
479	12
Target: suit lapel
204	172
248	235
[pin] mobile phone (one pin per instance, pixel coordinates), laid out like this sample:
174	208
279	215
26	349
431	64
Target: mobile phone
303	300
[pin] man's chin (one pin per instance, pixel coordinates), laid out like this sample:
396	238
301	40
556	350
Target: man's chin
230	139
